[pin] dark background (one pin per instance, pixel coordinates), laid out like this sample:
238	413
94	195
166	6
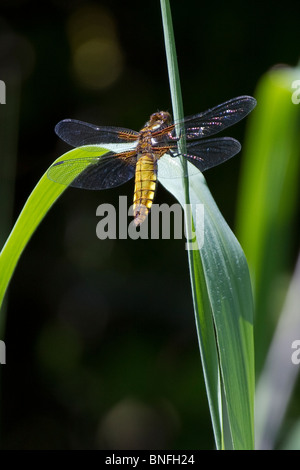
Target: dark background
101	345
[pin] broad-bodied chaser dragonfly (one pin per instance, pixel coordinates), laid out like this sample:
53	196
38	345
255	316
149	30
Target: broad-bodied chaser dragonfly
137	154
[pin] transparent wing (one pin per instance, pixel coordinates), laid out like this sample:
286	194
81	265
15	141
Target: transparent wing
203	155
213	120
78	133
96	173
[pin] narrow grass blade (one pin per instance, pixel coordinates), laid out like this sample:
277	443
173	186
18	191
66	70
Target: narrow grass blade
221	295
202	308
280	370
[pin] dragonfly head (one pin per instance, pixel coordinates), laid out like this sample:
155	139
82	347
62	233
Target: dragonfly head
161	118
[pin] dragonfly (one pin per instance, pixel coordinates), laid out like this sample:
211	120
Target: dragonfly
132	154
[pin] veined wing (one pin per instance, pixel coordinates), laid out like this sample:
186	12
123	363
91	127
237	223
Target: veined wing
79	133
107	171
203	154
213	120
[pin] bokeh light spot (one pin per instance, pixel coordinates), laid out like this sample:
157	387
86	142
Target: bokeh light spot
97	58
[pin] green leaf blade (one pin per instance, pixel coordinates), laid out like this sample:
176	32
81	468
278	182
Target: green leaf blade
230	298
269	192
36	207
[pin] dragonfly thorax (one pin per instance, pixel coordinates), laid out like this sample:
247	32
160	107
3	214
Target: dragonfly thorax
159	119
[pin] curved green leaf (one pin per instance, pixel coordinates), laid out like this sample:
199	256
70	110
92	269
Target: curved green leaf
36	207
228	285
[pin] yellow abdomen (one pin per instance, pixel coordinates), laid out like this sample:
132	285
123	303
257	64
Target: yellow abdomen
144	189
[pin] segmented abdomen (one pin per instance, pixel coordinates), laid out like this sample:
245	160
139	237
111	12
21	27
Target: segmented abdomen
144	189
